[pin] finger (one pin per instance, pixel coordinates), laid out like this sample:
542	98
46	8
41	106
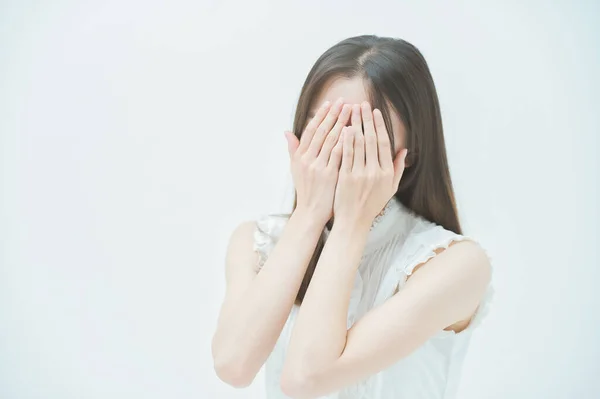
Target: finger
312	126
383	141
348	149
336	153
324	128
370	136
359	152
356	118
334	134
292	142
399	165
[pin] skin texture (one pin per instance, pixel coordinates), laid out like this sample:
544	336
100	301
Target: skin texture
323	355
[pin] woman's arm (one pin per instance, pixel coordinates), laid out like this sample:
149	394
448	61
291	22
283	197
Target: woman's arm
325	357
319	334
256	306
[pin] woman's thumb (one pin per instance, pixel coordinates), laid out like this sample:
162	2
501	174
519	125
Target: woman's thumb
292	141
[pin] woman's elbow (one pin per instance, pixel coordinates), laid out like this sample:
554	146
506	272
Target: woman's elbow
234	373
297	385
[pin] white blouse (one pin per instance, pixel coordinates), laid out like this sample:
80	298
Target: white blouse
399	240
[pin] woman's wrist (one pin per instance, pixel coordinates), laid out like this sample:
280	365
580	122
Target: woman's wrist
310	219
352	221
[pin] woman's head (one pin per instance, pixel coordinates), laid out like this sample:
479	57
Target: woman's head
393	76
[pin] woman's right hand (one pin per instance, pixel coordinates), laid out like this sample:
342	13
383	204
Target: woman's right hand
315	159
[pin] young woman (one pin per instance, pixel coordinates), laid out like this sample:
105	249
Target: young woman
368	289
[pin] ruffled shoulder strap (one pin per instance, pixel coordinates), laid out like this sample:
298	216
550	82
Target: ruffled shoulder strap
421	243
266	234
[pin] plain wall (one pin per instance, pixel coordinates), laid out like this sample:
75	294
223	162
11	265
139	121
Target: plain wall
136	135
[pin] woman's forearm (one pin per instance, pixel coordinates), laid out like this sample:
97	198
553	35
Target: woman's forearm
250	326
319	334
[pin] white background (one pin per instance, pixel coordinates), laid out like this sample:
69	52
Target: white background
136	135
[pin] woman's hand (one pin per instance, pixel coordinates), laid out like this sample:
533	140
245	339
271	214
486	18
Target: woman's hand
368	177
315	160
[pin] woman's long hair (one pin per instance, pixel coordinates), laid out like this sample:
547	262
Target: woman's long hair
396	77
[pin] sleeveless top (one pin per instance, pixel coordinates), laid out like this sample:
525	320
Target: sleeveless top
398	241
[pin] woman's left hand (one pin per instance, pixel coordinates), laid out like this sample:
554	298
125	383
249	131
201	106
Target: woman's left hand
368	177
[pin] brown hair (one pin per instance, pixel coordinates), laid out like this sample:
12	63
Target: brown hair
397	77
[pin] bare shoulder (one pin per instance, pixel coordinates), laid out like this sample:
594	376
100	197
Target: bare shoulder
473	270
469	256
464	257
241	258
463	261
243	235
466	270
